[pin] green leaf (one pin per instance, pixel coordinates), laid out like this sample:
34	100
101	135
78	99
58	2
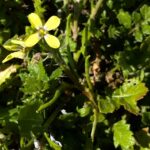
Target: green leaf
84	111
146	118
56	74
113	32
128	95
38	6
145	12
106	105
146	29
136	17
122	135
143	138
19	55
29	120
124	19
6	74
14	44
138	36
36	80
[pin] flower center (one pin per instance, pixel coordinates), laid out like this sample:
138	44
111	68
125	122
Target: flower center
42	32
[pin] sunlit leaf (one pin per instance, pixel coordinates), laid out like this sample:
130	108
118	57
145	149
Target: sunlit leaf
14	44
128	95
145	11
18	42
84	111
6	74
13	55
146	29
122	135
124	19
138	36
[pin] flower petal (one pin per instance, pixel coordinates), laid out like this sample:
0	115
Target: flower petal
52	23
19	55
32	40
52	41
35	20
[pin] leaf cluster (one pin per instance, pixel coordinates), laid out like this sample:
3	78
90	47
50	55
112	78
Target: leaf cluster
91	93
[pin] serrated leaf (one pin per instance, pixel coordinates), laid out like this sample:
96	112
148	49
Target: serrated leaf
128	95
122	135
124	19
36	80
4	75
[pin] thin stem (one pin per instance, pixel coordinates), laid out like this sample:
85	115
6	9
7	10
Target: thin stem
87	76
52	117
94	124
57	94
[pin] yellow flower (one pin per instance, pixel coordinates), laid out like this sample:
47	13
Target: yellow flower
42	31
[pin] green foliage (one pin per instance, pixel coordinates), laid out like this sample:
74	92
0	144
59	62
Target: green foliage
122	135
78	81
36	80
30	123
128	95
124	19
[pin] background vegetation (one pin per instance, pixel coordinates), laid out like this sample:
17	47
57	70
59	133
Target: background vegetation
89	94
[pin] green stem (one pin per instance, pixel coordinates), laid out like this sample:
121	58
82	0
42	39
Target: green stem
87	76
94	124
52	117
57	94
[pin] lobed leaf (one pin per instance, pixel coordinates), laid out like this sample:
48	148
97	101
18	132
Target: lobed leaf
128	95
124	19
122	135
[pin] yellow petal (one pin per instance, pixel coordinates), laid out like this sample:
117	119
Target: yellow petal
32	40
52	41
52	23
35	20
19	55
